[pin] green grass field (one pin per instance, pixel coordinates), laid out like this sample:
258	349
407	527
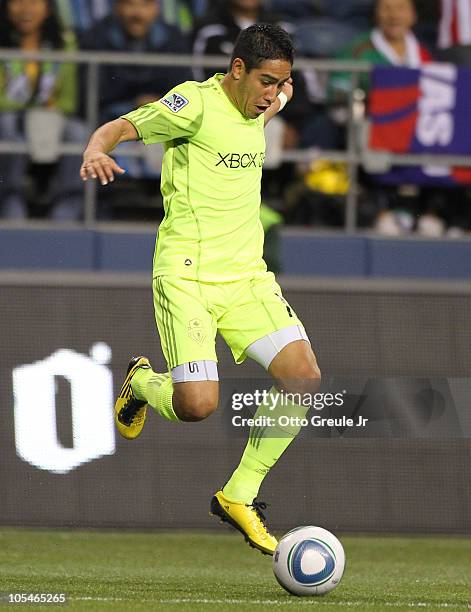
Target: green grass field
200	571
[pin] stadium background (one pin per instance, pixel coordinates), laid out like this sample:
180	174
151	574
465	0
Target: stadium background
360	330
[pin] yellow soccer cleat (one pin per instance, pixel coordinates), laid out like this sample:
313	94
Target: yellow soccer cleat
129	412
248	519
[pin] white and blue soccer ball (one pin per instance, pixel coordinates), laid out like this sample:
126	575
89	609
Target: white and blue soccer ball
309	561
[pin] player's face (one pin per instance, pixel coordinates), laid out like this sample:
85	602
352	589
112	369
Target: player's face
28	16
395	18
137	16
259	88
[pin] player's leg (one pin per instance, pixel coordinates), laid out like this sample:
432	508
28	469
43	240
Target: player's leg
284	351
295	372
189	390
176	400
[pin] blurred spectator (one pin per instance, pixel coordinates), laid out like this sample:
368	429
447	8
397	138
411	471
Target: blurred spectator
81	15
37	104
135	26
391	42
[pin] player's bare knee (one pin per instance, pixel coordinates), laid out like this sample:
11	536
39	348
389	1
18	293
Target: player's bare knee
195	401
302	367
194	409
302	377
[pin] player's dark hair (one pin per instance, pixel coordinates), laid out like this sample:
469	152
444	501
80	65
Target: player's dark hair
260	42
51	30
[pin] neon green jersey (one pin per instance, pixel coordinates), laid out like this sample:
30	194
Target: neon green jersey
211	176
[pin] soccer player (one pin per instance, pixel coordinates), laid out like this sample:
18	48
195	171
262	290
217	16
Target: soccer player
209	274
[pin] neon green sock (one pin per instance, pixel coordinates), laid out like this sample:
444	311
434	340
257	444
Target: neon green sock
156	390
264	448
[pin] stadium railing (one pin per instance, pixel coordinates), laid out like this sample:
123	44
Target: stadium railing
353	156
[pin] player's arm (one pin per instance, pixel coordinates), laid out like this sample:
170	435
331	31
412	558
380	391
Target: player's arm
280	102
96	161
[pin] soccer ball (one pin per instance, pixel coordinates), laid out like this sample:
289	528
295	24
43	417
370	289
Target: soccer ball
309	561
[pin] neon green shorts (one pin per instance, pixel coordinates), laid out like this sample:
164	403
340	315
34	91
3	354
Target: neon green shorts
189	314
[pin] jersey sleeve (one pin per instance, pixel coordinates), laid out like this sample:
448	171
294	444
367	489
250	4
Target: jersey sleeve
178	114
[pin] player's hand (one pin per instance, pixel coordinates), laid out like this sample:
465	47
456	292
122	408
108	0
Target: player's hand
287	89
100	166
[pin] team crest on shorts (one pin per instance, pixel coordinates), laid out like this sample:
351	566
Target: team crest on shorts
175	102
196	331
